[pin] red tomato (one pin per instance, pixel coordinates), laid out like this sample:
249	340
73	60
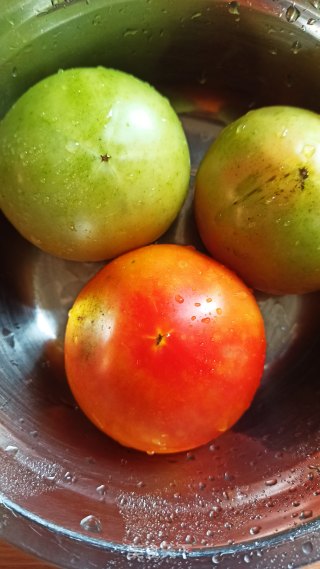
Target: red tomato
164	349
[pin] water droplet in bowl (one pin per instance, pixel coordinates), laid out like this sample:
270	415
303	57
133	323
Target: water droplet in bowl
292	14
296	46
255	530
307	548
234	8
130	32
101	490
10	449
97	20
306	514
69	477
196	15
91	523
271	482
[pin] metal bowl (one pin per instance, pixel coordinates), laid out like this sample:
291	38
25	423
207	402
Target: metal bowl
68	493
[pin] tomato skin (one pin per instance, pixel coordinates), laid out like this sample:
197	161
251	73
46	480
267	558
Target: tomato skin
257	199
164	349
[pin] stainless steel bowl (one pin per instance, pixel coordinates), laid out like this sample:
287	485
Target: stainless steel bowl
68	493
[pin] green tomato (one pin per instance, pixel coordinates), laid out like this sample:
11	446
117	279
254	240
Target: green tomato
257	199
94	162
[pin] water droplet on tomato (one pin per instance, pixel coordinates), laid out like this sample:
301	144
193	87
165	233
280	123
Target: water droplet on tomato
219	311
205	320
308	150
240	128
72	146
242	295
179	298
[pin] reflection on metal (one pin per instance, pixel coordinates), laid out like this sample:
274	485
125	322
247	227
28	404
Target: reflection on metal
57	4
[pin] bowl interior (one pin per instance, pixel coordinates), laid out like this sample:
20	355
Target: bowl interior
214	60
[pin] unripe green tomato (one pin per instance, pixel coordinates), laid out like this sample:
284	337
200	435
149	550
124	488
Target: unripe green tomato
257	199
94	162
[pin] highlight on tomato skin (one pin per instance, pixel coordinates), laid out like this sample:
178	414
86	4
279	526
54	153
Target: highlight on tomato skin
164	349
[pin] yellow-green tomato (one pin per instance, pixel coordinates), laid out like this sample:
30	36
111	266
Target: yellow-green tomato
94	162
257	200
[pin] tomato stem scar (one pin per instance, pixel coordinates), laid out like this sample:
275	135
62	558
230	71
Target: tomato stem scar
161	338
105	157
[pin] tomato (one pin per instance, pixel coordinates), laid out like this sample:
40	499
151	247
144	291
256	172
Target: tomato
94	162
164	348
257	199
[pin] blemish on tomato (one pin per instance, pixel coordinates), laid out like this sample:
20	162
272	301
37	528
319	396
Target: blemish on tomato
304	174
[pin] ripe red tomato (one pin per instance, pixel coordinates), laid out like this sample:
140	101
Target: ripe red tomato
164	349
